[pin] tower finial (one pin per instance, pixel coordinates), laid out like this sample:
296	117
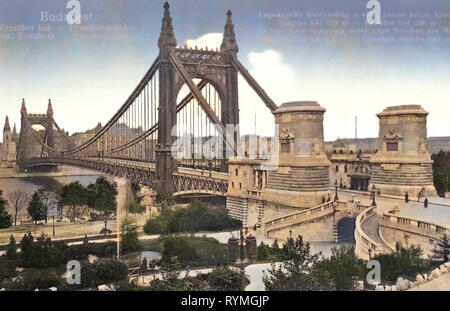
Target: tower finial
50	108
7	128
24	108
229	42
167	36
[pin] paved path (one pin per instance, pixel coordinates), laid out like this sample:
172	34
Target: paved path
370	227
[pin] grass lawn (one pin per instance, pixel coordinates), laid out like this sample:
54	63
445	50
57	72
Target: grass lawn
62	229
208	251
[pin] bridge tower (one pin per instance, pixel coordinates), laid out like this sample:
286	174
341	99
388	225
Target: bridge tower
215	67
50	126
403	163
28	146
165	164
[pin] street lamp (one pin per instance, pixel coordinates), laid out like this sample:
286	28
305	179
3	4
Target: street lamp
336	198
373	196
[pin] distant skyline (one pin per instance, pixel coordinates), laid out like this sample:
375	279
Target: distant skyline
345	72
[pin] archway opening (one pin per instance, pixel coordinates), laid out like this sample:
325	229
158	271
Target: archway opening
346	230
198	136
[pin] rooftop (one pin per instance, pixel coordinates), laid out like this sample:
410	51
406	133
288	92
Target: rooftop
300	106
403	110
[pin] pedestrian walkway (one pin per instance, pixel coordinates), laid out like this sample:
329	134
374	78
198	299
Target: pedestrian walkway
438	211
370	227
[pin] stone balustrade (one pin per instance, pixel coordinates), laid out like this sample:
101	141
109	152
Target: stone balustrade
300	217
366	247
414	226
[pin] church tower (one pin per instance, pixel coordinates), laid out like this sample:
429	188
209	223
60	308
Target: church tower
7	132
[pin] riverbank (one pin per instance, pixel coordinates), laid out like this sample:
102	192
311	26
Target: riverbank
63	171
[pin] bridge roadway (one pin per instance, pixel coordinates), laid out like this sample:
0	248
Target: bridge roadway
185	180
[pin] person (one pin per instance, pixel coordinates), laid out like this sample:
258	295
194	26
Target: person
406	197
425	203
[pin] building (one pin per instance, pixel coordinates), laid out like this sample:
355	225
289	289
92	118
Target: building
396	162
295	178
403	163
8	146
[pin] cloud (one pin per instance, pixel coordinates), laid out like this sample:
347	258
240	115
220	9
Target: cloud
211	40
344	91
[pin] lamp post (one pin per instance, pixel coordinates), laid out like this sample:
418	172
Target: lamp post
336	198
373	196
53	217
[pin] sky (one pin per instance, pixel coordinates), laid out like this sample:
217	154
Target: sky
314	50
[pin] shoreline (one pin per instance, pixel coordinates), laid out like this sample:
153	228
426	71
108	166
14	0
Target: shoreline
11	173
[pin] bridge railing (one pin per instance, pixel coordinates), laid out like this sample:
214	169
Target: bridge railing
366	247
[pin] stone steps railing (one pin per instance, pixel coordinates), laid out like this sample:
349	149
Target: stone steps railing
301	216
365	247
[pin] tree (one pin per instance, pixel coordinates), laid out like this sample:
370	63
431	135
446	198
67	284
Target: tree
17	201
164	196
297	271
73	195
26	249
441	251
224	279
343	267
441	172
5	218
36	209
102	197
129	236
49	199
11	251
135	207
406	262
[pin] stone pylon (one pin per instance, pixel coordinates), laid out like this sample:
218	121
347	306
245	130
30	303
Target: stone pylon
165	164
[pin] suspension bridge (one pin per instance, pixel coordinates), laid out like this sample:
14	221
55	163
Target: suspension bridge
137	142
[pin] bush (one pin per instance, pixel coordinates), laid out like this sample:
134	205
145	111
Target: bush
406	263
43	253
164	197
220	279
7	269
196	217
36	278
225	279
267	253
103	271
343	268
194	252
